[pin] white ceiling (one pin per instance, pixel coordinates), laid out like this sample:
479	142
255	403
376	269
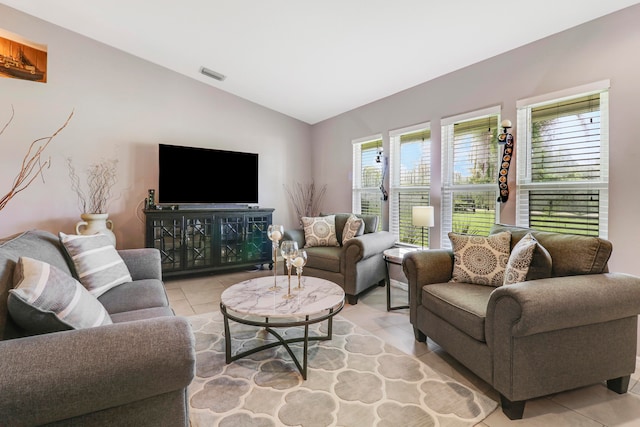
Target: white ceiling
313	60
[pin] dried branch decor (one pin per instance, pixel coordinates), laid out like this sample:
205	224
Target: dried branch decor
306	199
32	164
101	177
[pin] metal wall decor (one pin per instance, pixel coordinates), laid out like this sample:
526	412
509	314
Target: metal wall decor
507	153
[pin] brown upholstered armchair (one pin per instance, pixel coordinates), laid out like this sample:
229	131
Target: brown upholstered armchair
573	326
355	265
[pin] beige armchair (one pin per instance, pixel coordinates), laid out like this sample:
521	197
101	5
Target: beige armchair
571	327
357	265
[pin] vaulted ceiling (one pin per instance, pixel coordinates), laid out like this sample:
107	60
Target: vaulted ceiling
314	60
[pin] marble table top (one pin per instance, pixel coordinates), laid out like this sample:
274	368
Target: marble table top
253	297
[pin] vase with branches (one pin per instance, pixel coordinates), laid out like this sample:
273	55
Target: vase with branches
306	198
94	202
33	165
101	178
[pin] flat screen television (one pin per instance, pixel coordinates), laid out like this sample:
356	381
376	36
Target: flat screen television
190	175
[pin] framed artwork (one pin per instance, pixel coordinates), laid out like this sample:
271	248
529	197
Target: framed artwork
21	58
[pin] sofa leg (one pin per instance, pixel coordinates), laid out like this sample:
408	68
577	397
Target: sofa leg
619	385
513	410
352	299
420	336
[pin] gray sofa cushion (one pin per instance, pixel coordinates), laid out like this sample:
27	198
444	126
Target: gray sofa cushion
145	313
133	296
324	258
571	254
463	305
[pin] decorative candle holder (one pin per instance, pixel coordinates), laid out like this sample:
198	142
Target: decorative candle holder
289	250
299	262
275	234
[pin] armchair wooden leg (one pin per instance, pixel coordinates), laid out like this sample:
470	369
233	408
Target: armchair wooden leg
512	409
619	385
420	336
352	299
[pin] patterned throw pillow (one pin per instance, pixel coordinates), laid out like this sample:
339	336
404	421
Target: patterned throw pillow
97	262
354	227
46	299
320	231
480	260
520	260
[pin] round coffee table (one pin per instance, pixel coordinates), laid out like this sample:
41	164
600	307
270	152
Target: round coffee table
252	303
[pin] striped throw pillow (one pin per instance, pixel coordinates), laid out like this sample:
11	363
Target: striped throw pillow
46	299
98	265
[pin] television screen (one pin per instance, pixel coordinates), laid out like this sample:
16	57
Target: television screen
189	175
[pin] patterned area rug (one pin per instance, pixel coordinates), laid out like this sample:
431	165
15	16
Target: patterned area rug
355	379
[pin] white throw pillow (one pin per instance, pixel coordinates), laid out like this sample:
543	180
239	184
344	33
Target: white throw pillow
98	265
320	231
46	299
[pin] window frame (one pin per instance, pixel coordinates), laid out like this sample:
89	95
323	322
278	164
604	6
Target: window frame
396	189
449	188
524	180
358	190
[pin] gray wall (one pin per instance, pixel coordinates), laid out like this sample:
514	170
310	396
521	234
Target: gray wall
602	49
124	107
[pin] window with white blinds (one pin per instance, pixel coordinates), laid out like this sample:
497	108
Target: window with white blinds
367	178
563	161
470	156
410	180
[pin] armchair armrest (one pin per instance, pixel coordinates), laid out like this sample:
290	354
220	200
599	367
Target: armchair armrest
143	263
423	268
544	305
52	377
367	245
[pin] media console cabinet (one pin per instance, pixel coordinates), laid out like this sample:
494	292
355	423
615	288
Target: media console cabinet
193	241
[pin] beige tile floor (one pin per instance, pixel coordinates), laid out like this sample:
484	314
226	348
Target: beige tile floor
589	406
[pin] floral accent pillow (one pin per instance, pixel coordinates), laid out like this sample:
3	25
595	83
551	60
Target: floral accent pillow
520	260
320	231
480	260
354	227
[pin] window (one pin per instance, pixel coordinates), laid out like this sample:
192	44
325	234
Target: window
470	155
563	161
368	169
410	180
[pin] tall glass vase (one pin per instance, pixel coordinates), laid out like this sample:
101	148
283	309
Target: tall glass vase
289	250
275	234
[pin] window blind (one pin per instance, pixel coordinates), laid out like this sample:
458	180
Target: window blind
410	171
470	156
366	195
563	166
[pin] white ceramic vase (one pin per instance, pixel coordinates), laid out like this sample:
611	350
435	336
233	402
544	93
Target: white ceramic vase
93	223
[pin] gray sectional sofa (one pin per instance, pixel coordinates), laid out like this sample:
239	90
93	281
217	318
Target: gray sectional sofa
571	323
132	372
357	265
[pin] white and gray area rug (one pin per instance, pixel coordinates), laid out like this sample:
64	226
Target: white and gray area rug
355	379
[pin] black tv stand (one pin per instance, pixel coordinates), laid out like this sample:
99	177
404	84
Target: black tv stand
202	240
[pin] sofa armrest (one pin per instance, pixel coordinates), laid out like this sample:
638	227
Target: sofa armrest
296	235
367	245
544	305
143	263
423	268
52	377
